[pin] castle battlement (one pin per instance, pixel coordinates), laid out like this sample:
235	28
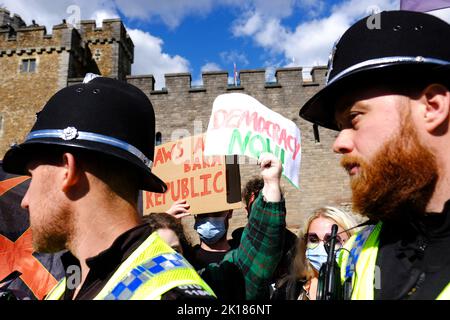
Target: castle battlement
18	38
217	81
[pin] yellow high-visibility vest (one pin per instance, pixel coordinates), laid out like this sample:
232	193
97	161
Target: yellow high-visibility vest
358	261
150	271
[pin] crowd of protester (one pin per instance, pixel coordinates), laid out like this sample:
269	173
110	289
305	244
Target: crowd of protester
391	106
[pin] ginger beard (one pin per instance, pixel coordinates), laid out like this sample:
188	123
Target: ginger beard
399	180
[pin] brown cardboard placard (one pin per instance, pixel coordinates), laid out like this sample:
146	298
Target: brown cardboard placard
208	184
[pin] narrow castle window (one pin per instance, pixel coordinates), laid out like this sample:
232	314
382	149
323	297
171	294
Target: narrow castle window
316	133
158	138
98	54
28	66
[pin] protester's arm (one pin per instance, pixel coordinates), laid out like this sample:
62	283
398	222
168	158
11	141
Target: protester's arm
263	237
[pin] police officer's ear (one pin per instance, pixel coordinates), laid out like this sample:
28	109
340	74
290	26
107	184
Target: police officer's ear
71	171
436	100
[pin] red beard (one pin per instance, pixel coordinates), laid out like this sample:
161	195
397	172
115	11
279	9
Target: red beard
400	180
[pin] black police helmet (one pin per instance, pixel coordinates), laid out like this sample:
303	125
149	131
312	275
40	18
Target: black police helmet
105	116
407	45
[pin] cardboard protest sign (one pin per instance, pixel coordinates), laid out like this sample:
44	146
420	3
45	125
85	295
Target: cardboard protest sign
208	184
241	125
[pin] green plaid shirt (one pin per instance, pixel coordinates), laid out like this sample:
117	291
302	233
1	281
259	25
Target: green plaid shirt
261	246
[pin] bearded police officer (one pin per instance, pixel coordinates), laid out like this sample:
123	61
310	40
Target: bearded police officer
88	154
387	94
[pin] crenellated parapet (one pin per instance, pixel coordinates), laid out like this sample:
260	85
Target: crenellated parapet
249	80
34	38
319	75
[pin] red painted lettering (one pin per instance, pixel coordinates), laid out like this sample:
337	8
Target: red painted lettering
158	201
193	193
216	178
249	119
220	117
180	150
187	166
148	197
197	164
205	178
174	196
184	188
158	158
234	118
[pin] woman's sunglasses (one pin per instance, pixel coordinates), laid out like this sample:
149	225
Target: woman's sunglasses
313	240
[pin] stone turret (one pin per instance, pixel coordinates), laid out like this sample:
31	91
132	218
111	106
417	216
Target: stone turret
109	45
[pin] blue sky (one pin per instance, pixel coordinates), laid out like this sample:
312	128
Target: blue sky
208	35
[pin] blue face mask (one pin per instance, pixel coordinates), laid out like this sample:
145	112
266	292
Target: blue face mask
319	255
210	229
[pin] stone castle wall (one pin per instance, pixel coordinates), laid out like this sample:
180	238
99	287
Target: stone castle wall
182	109
65	55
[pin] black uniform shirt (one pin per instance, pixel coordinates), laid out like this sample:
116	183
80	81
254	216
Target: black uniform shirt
201	258
103	266
413	260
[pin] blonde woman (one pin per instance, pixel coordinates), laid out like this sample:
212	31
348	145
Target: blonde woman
310	252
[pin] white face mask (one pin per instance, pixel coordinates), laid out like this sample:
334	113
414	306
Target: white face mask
317	256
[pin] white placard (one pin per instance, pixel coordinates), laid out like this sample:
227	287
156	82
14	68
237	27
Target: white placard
242	125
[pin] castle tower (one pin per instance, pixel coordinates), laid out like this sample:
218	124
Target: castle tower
111	47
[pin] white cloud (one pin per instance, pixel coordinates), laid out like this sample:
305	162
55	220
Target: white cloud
149	58
50	12
311	41
248	25
272	34
170	12
210	66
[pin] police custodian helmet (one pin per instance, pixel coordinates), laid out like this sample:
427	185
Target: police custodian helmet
406	44
102	115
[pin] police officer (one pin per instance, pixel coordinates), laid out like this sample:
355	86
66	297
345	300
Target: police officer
387	94
89	153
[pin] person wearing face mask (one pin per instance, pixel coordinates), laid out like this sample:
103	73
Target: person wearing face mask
247	270
212	229
311	252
